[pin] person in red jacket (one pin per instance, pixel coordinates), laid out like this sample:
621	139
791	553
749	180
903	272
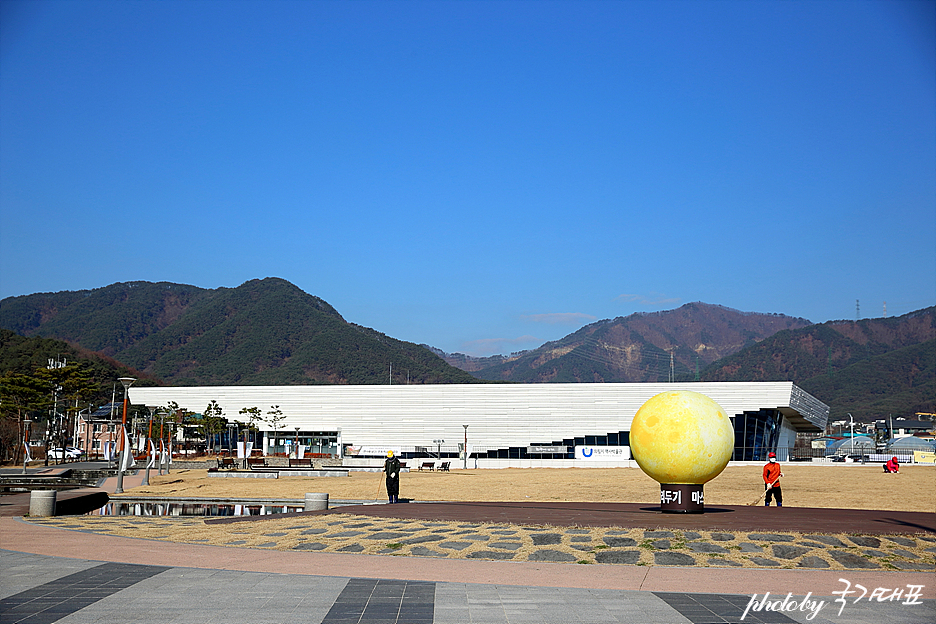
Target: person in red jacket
772	476
892	466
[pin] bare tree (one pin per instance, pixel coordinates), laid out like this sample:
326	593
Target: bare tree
274	418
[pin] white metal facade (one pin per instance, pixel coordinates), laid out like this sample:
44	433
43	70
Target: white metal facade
501	415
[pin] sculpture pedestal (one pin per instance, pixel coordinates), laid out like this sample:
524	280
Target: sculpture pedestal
681	498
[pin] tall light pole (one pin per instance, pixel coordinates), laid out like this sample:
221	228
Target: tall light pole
851	427
26	423
162	448
149	453
126	382
466	446
231	426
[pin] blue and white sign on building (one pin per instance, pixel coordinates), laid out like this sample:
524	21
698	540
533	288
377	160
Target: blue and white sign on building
603	453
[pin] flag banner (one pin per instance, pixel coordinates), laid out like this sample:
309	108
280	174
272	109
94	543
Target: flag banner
128	461
300	451
151	460
240	450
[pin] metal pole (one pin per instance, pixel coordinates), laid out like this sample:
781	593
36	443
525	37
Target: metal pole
149	451
162	419
851	427
465	456
26	423
126	381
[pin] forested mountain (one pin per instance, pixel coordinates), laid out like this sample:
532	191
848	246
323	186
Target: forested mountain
271	332
262	332
869	368
637	348
24	356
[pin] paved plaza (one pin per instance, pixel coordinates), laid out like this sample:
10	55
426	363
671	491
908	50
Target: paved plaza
41	589
75	570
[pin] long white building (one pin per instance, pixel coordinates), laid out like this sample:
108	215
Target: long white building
503	420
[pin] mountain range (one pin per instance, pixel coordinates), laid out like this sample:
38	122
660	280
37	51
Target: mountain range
869	368
270	332
264	332
642	347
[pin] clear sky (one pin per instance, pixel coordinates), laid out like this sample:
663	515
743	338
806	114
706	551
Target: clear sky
478	176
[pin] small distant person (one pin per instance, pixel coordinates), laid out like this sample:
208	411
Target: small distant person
892	466
392	469
772	476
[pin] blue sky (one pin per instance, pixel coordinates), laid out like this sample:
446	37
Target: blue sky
478	176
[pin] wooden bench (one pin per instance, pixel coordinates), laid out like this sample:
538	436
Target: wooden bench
256	462
300	463
226	463
444	466
427	466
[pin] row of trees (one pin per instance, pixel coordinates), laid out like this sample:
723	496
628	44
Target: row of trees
213	422
46	404
48	399
208	427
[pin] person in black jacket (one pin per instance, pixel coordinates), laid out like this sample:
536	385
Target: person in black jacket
392	469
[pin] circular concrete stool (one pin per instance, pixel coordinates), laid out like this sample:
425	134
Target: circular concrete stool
42	503
315	501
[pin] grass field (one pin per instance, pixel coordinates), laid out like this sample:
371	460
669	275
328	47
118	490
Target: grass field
846	486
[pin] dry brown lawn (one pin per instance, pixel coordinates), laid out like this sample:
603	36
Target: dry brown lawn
836	486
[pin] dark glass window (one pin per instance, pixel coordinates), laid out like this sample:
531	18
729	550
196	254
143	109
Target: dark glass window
756	434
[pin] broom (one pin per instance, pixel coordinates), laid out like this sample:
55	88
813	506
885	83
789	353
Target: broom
761	497
379	483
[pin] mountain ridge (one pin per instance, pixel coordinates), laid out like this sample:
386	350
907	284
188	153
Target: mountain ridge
270	332
637	348
262	332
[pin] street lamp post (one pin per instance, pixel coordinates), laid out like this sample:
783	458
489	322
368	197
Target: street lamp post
851	428
26	423
162	419
126	382
466	446
296	447
230	440
149	452
170	436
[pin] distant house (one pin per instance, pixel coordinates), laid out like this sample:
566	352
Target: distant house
99	428
905	428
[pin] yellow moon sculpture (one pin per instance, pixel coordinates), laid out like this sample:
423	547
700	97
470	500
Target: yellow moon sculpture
681	437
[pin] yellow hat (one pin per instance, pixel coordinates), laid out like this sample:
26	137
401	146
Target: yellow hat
389	453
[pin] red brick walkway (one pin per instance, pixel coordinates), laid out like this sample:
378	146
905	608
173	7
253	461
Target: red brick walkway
631	515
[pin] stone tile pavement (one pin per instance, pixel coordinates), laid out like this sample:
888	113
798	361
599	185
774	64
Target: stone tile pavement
349	533
267	579
41	589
